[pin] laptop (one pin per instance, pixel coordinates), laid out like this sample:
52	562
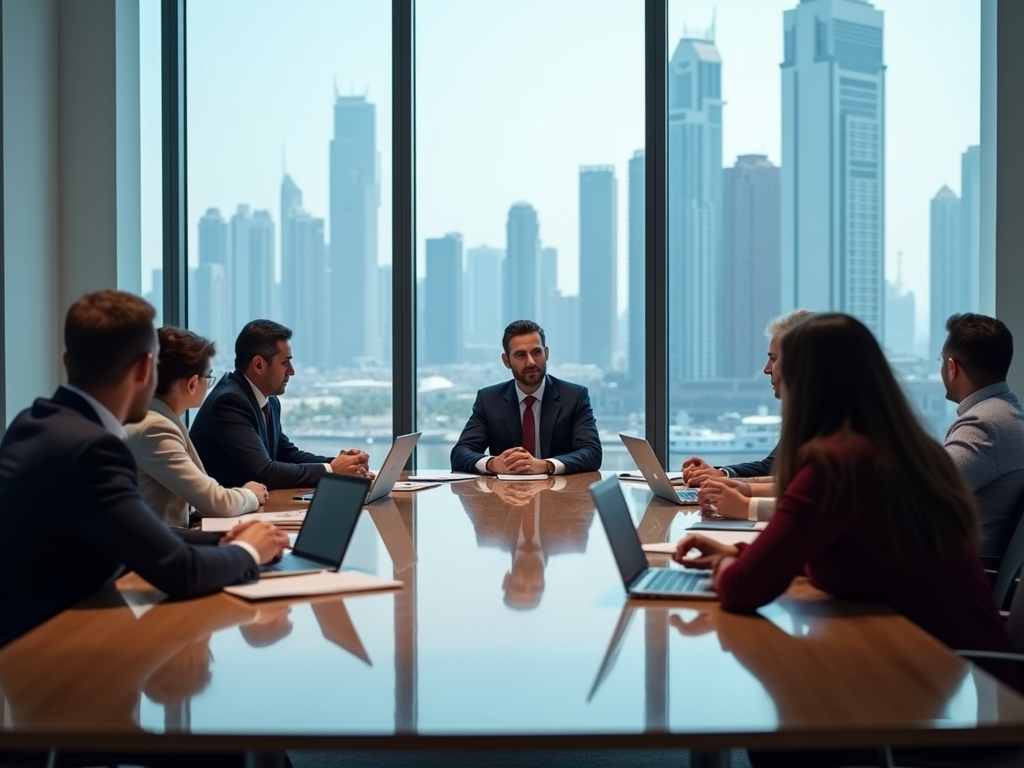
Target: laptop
327	529
649	466
639	579
385	481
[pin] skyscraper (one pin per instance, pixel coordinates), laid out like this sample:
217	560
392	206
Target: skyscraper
442	297
483	296
291	288
314	333
522	264
210	305
970	228
355	201
252	260
751	211
637	268
900	320
695	209
598	264
949	292
833	160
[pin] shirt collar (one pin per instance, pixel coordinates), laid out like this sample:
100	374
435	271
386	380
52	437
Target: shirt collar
261	399
992	390
109	420
539	394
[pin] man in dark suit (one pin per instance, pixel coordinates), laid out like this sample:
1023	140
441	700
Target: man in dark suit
695	469
534	424
237	431
70	509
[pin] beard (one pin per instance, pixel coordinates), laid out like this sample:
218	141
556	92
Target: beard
531	379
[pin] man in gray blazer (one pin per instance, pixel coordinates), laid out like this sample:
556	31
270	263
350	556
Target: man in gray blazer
986	440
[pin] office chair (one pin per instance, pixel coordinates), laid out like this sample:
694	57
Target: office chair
1009	566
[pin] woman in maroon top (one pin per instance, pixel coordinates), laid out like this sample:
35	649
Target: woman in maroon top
869	506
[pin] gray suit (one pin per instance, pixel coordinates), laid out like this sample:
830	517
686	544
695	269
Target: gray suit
986	442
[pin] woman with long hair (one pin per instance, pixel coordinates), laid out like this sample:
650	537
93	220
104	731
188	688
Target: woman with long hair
171	474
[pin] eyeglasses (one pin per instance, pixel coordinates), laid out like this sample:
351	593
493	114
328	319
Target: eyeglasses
211	379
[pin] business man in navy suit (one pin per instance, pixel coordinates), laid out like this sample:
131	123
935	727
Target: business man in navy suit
70	509
237	432
534	424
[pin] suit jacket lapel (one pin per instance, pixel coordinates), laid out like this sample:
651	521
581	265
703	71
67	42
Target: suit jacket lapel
261	423
549	409
513	421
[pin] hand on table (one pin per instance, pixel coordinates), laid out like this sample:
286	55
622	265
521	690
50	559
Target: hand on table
728	497
711	553
517	461
696	471
352	462
259	490
269	541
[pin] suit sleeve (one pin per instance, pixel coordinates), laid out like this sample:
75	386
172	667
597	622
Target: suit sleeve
119	523
474	440
762	468
232	428
288	452
586	453
162	454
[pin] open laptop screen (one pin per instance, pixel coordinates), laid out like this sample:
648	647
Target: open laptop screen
331	518
618	525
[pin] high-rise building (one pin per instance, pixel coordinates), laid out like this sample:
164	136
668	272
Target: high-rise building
695	209
355	202
949	291
252	260
213	238
636	224
292	291
307	279
833	160
598	264
210	303
970	228
522	264
482	297
442	297
900	320
751	211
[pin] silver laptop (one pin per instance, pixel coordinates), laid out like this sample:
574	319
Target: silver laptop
649	466
327	528
638	577
385	481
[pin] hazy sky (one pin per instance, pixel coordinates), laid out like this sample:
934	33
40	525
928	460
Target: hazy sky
513	97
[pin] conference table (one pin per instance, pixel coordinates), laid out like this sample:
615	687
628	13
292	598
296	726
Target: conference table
511	631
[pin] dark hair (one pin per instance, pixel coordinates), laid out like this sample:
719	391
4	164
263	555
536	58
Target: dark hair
105	333
521	328
183	354
839	387
259	337
981	344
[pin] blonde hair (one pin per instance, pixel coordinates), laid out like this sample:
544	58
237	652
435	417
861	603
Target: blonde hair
785	322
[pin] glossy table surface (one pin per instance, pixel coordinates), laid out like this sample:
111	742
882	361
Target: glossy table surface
511	622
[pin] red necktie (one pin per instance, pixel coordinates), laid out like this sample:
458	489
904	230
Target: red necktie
529	428
266	416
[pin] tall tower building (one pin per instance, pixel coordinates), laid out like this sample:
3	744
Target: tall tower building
482	297
751	212
442	297
522	264
291	288
970	229
636	223
949	292
355	203
695	209
252	259
210	306
598	264
833	160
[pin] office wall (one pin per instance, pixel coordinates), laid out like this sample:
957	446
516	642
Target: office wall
71	174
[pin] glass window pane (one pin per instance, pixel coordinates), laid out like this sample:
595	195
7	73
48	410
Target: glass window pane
826	183
289	127
151	155
529	173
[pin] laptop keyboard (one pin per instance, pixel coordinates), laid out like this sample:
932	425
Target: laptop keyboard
294	564
672	580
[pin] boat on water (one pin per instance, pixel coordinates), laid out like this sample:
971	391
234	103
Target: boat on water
752	434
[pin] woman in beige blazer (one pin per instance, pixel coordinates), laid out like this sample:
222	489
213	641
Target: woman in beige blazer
171	475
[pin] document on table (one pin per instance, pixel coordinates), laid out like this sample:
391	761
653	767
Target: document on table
406	486
292	517
517	478
321	583
676	478
441	477
722	537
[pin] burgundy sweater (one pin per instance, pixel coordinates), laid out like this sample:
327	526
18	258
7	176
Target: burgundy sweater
844	551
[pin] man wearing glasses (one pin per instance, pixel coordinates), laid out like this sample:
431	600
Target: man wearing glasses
237	432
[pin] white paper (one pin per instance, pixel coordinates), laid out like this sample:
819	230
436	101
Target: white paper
518	478
321	583
291	517
722	537
676	478
400	487
440	477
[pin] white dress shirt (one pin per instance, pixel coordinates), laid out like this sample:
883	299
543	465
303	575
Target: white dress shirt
262	400
116	428
481	466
